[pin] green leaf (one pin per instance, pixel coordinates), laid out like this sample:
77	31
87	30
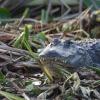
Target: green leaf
26	33
29	87
24	36
4	13
96	69
25	14
41	36
23	42
44	16
88	3
10	96
34	89
18	40
96	83
2	77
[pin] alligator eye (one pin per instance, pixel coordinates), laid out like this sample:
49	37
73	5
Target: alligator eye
56	41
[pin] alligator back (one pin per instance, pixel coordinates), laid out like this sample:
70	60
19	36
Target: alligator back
92	46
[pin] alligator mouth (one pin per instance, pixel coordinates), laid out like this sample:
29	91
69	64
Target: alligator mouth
53	64
54	60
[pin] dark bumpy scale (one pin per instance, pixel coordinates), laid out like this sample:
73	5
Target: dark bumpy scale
84	53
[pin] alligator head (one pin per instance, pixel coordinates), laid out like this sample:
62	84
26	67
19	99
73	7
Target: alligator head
67	53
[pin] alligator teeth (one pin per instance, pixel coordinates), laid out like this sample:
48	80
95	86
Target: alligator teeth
63	61
55	59
43	59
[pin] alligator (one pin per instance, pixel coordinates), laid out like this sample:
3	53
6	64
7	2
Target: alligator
72	53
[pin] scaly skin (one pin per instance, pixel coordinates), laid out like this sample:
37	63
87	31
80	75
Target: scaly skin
72	53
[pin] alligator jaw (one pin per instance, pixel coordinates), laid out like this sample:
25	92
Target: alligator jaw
54	60
53	68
